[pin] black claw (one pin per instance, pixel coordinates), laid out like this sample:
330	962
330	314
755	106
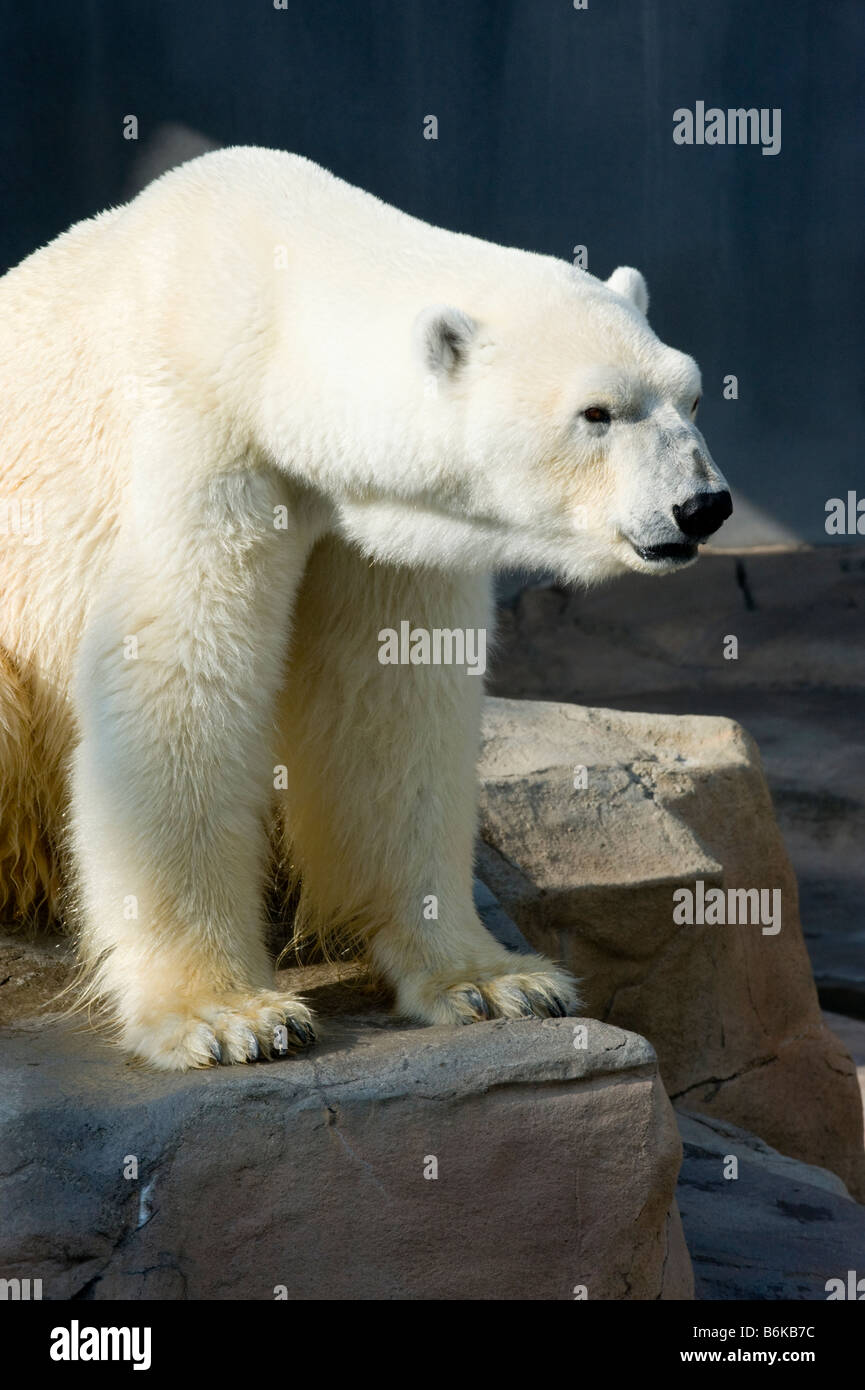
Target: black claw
302	1031
216	1051
477	1002
557	1007
526	1008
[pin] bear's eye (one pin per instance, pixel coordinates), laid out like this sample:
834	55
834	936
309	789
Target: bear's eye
694	406
597	415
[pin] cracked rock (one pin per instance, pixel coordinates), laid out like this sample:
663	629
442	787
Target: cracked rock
509	1160
586	863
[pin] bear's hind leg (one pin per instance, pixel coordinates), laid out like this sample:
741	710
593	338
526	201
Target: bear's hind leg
380	809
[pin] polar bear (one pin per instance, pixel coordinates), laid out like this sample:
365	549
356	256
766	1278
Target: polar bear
251	420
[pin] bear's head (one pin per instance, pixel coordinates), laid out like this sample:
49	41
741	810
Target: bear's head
549	430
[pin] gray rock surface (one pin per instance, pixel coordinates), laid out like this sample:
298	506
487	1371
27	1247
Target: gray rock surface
797	685
556	1163
588	874
778	1230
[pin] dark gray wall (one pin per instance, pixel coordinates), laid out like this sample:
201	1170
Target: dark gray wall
555	128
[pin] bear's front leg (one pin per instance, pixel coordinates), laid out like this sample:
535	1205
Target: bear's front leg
380	810
172	780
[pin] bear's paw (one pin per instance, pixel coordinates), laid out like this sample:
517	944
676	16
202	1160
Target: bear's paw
519	987
259	1026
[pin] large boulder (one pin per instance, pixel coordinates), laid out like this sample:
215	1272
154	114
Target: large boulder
509	1160
797	684
588	873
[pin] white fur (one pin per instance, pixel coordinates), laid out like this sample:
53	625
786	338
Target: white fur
249	336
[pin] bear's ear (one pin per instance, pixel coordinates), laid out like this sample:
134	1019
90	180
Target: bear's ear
630	284
442	337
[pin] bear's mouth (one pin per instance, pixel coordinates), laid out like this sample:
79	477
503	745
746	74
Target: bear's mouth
679	551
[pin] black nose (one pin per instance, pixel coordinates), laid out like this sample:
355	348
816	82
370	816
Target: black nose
701	515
